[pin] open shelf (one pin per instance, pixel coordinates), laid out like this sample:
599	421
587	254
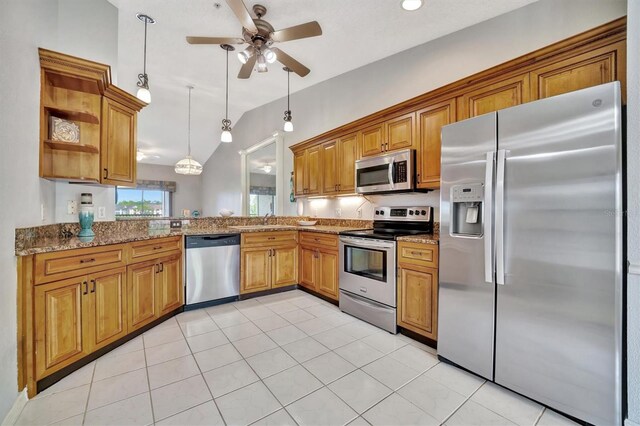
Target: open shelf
85	117
71	146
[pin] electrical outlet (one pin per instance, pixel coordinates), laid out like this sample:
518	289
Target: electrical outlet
338	212
102	212
359	212
72	207
175	224
42	212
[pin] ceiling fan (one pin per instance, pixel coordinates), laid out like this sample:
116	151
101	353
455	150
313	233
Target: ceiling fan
260	36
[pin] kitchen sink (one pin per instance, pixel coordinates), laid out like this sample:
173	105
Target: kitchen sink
263	227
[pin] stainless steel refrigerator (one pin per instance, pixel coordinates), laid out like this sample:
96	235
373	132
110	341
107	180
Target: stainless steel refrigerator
531	250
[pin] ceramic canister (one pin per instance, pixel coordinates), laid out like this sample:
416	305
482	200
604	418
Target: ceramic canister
85	216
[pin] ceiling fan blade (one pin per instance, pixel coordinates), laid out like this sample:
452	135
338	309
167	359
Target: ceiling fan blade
310	29
291	63
245	71
214	40
243	15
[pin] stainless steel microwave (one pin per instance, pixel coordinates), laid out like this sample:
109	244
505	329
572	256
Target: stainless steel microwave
392	172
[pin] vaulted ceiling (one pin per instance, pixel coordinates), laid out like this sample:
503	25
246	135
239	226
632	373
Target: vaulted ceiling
355	33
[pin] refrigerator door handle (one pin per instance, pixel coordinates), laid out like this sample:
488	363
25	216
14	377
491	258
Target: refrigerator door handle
500	216
488	218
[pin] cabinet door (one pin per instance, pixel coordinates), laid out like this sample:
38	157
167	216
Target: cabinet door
495	96
586	70
328	282
118	145
371	140
330	167
308	268
284	266
255	270
170	291
299	167
60	324
400	132
430	122
312	172
417	301
141	294
108	313
347	149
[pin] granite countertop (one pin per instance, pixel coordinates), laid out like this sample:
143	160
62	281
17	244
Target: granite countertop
422	238
51	244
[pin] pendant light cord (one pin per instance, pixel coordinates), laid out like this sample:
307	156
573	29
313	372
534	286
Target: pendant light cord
288	89
189	131
144	65
226	113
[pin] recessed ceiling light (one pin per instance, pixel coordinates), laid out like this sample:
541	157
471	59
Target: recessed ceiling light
411	4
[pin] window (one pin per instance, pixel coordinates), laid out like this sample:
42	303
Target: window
141	202
261	204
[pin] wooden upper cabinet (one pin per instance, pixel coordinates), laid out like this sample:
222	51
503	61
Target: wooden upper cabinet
170	291
141	294
347	156
118	144
595	67
109	301
256	270
299	168
417	301
430	122
494	96
60	308
371	140
400	132
312	174
330	171
284	266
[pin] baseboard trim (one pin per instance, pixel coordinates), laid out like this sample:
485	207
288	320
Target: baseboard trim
16	409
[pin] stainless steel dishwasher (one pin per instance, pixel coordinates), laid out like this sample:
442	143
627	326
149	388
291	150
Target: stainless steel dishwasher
213	268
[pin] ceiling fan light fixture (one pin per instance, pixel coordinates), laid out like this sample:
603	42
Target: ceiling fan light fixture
262	63
246	54
267	168
411	5
269	55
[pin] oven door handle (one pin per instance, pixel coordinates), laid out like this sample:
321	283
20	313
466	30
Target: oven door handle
391	163
366	243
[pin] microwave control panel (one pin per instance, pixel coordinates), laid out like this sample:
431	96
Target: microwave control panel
400	174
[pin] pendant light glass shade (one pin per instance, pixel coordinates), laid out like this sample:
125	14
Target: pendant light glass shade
143	79
288	126
226	136
144	95
188	166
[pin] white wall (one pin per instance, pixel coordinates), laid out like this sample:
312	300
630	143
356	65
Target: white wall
394	79
633	210
188	193
102	197
26	25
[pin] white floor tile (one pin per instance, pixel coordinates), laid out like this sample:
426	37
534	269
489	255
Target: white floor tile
292	384
230	318
473	414
241	331
297	316
118	364
414	358
229	378
254	345
384	342
305	349
359	421
217	357
172	371
510	405
322	407
454	378
551	418
314	326
166	352
201	415
360	390
117	388
395	410
334	338
319	310
189	316
247	405
359	329
285	335
71	421
206	341
271	362
179	396
133	345
80	377
132	411
304	302
358	353
282	307
279	418
255	313
169	323
54	407
194	328
329	367
156	337
220	309
271	322
336	319
431	397
391	372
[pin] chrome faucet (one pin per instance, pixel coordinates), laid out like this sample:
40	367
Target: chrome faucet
266	216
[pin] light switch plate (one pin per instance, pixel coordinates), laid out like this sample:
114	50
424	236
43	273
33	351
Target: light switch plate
72	207
102	212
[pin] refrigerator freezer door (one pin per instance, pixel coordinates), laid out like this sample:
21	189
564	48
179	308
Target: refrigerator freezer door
466	299
558	320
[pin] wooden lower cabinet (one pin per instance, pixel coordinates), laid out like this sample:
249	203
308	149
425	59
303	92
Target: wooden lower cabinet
170	290
418	300
268	260
319	264
328	276
284	266
308	270
109	319
141	294
255	270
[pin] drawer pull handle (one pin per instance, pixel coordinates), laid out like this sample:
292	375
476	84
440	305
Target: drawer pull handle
417	253
271	238
93	289
86	287
157	247
87	260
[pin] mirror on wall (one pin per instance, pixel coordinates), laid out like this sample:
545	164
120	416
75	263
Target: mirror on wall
262	177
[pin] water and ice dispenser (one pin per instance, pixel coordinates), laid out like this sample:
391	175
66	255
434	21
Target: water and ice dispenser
466	210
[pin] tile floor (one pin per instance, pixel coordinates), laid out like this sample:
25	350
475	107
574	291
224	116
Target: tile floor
282	359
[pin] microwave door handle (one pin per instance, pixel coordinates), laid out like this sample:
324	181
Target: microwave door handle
391	173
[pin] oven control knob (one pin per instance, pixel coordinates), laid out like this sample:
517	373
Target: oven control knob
424	213
411	212
377	212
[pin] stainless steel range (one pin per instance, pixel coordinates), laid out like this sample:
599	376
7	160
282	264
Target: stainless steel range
368	263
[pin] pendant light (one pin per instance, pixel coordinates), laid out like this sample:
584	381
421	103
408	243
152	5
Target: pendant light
188	166
226	123
143	79
288	124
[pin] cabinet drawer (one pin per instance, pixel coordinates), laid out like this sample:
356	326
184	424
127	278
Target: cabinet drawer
318	240
418	254
148	249
260	239
73	263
